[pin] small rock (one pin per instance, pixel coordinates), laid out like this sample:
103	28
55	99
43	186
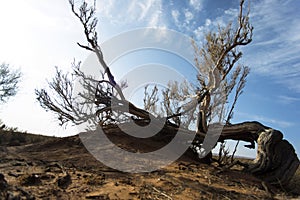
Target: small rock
32	179
3	183
64	181
13	174
19	164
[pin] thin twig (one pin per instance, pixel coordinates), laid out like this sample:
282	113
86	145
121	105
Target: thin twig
160	192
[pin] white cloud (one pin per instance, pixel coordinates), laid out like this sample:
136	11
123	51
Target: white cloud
145	7
188	16
232	12
207	22
197	4
140	9
276	46
154	20
266	120
200	31
175	15
287	99
132	12
105	8
212	24
183	19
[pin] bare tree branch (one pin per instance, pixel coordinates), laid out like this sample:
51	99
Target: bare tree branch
86	16
238	92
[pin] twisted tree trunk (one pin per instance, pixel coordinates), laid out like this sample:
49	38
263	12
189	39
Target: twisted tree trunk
276	161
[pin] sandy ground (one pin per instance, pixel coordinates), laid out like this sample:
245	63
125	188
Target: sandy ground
63	169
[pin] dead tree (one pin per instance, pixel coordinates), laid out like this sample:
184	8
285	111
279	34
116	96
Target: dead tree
220	55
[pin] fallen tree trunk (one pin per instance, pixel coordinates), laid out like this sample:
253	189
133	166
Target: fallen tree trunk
276	161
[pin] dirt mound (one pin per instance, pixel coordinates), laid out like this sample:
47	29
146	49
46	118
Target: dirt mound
62	168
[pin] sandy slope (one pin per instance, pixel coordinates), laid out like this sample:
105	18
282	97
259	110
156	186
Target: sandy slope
63	169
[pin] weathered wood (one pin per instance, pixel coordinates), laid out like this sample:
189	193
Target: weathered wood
276	160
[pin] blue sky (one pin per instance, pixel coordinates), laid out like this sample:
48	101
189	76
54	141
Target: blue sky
38	35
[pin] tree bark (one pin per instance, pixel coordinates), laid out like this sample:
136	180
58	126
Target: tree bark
276	160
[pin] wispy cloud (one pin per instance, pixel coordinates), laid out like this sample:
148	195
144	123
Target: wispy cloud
188	16
275	122
175	15
145	12
288	99
276	46
212	24
197	4
231	12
